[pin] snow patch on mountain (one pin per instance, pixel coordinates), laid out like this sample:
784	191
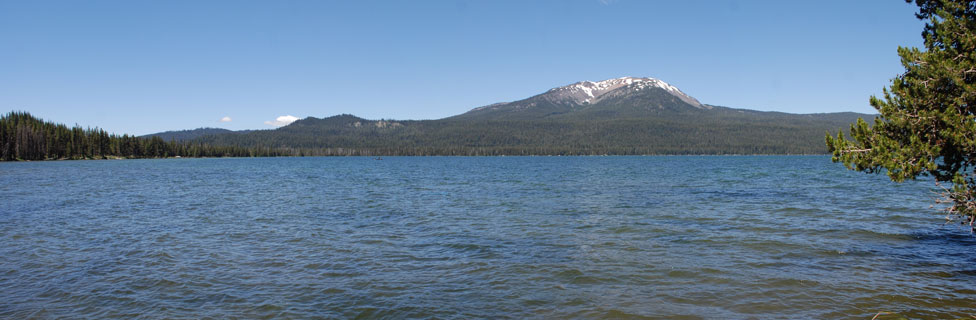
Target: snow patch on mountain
589	92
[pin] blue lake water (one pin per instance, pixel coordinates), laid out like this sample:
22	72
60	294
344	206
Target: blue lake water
483	237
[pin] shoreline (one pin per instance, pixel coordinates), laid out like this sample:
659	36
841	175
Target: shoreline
442	155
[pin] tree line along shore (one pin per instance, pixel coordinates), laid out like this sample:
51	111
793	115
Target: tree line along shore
24	137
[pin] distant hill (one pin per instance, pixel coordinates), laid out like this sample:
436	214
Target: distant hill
186	135
617	116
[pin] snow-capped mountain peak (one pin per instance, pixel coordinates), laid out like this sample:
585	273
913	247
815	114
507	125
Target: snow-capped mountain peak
588	92
637	95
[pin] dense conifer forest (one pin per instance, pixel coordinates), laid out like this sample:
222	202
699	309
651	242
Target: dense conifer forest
25	137
711	132
716	131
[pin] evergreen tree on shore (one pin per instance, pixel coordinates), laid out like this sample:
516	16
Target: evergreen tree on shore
927	124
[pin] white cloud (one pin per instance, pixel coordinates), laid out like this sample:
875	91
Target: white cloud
225	119
282	121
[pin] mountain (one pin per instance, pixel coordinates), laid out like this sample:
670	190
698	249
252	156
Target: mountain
618	116
626	97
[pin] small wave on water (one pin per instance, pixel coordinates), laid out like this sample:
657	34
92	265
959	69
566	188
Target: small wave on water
510	237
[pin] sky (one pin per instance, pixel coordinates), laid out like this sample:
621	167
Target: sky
140	67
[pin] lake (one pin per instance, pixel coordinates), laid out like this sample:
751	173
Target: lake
476	237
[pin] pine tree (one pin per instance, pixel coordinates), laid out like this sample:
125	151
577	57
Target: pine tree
927	122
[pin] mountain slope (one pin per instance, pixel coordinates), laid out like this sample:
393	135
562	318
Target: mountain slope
626	97
732	131
617	116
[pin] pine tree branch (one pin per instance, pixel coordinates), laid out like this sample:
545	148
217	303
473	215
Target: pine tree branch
855	150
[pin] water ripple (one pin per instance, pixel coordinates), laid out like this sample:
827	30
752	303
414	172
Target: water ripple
508	237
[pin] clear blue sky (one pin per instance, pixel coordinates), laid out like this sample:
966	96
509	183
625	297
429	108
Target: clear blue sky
139	67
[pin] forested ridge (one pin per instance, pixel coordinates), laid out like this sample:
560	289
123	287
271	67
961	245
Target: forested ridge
718	130
688	132
25	137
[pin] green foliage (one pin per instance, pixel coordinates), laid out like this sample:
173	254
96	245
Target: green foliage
24	137
927	124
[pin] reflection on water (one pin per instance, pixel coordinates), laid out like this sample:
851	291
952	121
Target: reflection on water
446	237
